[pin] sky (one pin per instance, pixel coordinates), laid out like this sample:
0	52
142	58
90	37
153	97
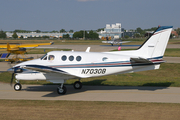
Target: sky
48	15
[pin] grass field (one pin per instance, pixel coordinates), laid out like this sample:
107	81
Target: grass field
79	110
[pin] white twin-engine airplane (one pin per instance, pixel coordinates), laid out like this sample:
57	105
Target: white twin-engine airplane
59	66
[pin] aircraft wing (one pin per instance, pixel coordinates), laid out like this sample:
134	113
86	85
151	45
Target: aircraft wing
25	45
108	41
115	42
33	45
47	69
140	60
5	46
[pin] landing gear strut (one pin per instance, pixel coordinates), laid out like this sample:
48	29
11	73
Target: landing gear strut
61	89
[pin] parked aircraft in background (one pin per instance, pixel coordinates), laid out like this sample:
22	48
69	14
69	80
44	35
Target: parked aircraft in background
59	66
115	42
20	49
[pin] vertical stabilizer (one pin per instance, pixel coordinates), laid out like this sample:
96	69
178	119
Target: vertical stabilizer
155	45
8	47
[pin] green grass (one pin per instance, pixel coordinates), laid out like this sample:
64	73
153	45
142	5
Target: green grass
167	75
172	52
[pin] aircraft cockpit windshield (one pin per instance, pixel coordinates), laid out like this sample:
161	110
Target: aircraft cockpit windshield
44	57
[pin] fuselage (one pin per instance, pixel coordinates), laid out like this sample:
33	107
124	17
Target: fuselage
78	65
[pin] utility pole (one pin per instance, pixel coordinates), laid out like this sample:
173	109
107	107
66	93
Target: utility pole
84	35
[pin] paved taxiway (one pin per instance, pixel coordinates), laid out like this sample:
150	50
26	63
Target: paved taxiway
93	93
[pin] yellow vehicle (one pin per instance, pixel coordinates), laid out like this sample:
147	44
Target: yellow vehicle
20	49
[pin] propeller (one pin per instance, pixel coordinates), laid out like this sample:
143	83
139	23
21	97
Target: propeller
12	78
15	71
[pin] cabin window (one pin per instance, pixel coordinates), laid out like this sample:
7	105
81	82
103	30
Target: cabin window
71	58
78	58
51	57
64	58
104	59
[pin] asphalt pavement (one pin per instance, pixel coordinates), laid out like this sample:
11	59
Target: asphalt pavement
93	93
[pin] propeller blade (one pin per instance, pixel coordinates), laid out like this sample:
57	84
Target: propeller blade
12	78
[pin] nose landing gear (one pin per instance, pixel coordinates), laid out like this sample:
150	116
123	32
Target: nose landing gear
17	87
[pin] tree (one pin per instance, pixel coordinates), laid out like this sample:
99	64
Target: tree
126	36
71	31
2	34
78	34
62	31
66	36
98	30
22	31
37	31
93	35
15	35
139	30
178	31
82	34
137	35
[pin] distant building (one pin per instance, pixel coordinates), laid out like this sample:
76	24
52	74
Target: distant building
148	33
34	34
112	31
129	33
174	33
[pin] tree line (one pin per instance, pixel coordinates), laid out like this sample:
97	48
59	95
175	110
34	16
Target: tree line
81	34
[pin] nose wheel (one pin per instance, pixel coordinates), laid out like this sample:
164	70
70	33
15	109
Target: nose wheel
17	87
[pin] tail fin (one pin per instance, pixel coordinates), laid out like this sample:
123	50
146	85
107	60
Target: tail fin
155	45
8	47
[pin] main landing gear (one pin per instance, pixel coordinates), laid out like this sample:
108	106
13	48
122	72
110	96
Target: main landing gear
62	89
77	85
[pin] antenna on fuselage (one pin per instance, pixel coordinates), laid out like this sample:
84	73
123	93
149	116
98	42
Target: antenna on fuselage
88	49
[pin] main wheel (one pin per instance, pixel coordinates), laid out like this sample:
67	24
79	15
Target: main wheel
17	86
62	90
77	85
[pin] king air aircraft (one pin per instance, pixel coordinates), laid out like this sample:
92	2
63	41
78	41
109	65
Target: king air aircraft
59	66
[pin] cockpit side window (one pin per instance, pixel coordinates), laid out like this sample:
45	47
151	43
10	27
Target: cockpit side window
44	57
51	57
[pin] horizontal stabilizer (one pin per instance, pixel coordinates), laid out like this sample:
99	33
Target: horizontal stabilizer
140	60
